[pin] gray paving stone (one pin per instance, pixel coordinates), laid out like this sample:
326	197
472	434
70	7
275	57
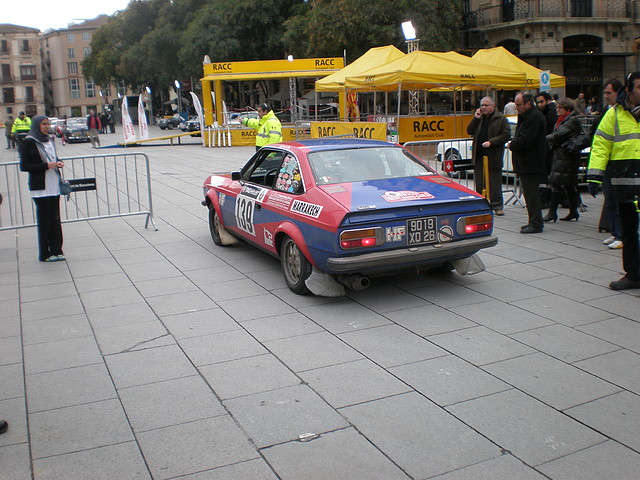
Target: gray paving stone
504	467
607	460
448	295
71	386
530	430
382	298
175	303
501	317
620	368
57	328
148	366
89	268
9	326
50	308
10	350
315	350
243	288
568	268
507	290
176	401
341	317
341	454
447	380
134	336
194	447
429	320
221	347
418	436
550	380
16	461
251	469
151	270
248	376
106	298
523	254
573	288
255	307
624	305
268	279
14	412
11	381
104	463
564	343
203	322
9	309
618	331
280	326
283	415
480	346
50	356
208	276
120	315
102	282
162	286
140	254
562	310
353	382
617	416
521	272
51	276
40	292
79	427
392	345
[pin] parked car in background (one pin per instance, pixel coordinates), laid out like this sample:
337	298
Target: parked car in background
170	123
76	130
235	118
338	211
191	125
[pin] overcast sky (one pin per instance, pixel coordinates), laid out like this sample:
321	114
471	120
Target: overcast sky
45	14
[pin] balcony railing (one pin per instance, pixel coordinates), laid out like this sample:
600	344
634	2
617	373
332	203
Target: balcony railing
538	9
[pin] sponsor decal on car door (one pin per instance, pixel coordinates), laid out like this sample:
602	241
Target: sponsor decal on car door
249	200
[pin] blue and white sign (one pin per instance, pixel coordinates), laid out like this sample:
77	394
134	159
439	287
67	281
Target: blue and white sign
545	81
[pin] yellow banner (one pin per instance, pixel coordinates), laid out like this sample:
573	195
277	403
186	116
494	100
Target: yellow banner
375	131
241	137
268	66
433	128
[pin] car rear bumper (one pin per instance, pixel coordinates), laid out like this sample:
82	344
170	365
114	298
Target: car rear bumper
410	256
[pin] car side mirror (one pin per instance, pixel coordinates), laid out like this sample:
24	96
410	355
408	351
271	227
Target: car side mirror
236	175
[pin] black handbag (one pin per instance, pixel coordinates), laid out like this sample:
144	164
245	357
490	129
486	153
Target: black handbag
577	143
65	186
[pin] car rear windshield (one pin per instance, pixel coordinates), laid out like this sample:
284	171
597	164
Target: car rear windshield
362	164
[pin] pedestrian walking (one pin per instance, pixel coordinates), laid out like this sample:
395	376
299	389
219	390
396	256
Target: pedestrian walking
93	125
8	125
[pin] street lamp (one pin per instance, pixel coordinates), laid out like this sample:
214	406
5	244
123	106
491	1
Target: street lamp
177	84
409	33
151	116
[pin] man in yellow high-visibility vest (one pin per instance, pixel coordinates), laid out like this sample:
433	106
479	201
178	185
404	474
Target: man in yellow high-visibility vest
268	126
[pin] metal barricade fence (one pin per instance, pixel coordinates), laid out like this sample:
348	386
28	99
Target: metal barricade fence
453	159
105	186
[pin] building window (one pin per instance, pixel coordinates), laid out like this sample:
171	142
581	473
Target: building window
72	67
25	46
4	46
74	88
8	95
30	110
9	110
28	94
86	36
6	73
86	51
70	37
27	72
90	88
106	91
71	53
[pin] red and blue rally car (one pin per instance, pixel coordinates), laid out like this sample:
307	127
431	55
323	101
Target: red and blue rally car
337	211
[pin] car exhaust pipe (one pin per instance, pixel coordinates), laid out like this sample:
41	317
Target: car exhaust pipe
357	282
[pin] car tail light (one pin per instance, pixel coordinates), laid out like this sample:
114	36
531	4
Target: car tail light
475	224
366	237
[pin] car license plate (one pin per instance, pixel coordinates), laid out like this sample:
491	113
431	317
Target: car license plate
421	230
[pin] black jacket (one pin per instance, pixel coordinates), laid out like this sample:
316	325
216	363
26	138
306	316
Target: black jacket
499	133
31	162
564	170
529	146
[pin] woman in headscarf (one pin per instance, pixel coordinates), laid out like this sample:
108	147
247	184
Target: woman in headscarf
38	157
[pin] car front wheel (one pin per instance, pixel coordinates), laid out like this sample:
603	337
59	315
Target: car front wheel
215	226
170	126
295	267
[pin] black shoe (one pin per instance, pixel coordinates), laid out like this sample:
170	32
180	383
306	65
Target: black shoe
550	217
625	283
570	217
530	229
4	426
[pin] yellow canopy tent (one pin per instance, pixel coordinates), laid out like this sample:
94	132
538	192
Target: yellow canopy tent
420	70
501	57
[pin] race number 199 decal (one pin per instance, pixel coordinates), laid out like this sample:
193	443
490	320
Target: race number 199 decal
244	214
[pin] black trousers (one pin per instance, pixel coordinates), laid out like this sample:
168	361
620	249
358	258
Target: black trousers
495	184
630	244
530	184
49	226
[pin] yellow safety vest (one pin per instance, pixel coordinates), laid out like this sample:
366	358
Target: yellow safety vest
21	126
269	128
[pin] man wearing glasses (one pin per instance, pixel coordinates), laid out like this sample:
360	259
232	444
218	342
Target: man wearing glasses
529	151
490	130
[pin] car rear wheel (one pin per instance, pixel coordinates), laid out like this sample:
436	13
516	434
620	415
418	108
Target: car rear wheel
170	126
295	267
215	226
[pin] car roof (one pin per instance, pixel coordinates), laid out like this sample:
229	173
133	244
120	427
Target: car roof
329	143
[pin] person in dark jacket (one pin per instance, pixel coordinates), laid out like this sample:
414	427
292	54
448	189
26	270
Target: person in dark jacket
529	150
548	109
564	170
38	157
490	130
8	125
94	126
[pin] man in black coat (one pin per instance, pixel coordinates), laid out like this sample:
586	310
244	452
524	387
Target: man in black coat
529	151
490	130
548	109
